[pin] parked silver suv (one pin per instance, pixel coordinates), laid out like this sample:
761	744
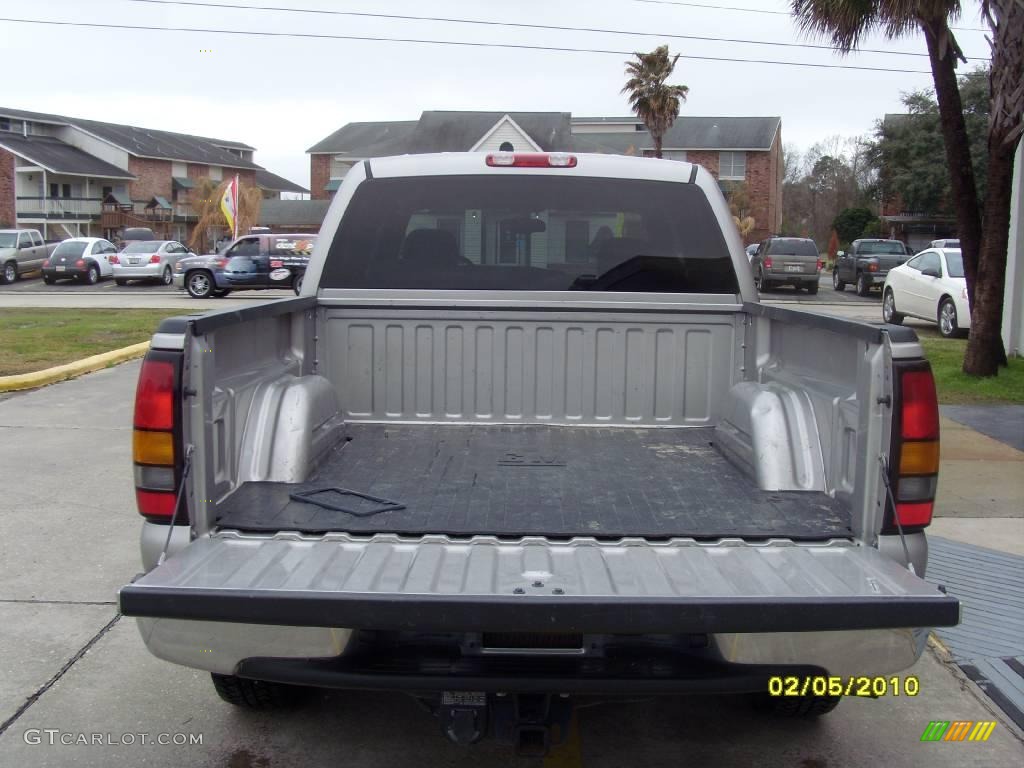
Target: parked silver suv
786	261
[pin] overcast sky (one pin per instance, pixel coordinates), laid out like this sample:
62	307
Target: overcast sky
281	95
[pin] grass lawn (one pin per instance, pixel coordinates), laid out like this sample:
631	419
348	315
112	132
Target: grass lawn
34	339
957	388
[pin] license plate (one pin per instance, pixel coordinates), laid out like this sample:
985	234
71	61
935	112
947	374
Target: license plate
794	268
61	269
135	261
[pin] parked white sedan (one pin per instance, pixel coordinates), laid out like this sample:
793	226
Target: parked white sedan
931	286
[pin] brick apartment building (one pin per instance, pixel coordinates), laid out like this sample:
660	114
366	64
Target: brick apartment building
736	150
69	177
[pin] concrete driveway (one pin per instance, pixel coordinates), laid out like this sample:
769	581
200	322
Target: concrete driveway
71	669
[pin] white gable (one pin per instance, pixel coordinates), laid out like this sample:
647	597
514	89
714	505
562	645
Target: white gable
504	130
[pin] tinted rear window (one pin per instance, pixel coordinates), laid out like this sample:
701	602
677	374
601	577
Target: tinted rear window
890	247
793	248
148	247
521	233
70	248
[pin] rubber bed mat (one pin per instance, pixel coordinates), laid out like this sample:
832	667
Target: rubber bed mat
534	480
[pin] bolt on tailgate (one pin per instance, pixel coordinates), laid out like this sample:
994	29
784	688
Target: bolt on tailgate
584	585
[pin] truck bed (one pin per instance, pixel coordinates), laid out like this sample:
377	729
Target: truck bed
554	481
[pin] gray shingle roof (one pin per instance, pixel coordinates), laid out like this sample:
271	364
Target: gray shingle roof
439	131
356	137
148	142
726	133
56	156
293	213
460	131
269	180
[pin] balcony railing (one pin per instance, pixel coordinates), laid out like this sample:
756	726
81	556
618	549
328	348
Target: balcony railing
59	207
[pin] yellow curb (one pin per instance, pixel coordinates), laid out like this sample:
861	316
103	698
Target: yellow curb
71	370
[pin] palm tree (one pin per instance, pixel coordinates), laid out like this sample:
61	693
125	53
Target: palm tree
845	22
652	99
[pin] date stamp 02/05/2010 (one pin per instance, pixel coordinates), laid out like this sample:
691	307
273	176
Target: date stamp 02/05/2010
823	685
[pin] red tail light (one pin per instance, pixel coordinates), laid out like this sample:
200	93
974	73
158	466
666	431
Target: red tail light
920	406
154	259
222	263
154	397
46	263
531	160
156	441
768	262
80	263
914	466
115	260
821	265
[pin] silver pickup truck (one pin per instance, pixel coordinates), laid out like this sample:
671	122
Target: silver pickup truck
527	435
21	251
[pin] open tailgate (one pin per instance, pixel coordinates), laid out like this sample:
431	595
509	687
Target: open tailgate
628	586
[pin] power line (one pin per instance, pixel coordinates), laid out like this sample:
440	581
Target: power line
762	10
522	25
462	43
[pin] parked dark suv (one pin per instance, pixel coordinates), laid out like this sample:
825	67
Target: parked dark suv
867	263
786	261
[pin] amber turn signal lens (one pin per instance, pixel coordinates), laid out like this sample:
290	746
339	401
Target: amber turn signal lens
152	447
919	458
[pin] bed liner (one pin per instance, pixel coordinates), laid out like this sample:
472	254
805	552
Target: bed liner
555	481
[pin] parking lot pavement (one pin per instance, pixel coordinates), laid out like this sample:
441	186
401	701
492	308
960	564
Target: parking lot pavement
70	540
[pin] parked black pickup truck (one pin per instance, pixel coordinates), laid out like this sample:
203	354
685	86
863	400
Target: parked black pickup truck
867	263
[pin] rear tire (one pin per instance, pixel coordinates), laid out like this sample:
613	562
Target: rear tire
92	276
837	284
199	284
759	282
49	280
812	289
297	283
10	273
863	285
807	707
257	694
889	313
166	277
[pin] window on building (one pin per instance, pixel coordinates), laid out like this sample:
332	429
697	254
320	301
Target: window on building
216	172
107	191
732	166
54	190
506	146
639	127
179	169
65	190
5	124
